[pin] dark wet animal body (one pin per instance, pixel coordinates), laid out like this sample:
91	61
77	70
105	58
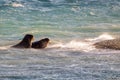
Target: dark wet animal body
26	42
40	44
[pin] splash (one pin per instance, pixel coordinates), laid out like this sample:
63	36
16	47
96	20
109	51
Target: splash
4	47
82	45
75	45
101	38
17	5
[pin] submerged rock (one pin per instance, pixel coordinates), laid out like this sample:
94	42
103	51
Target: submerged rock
108	44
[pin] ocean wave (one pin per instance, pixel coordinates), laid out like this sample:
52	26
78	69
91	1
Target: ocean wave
75	11
85	45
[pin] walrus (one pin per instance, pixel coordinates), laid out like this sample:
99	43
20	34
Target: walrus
108	44
25	43
40	44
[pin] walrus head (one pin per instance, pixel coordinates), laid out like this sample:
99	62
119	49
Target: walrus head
26	42
41	43
45	40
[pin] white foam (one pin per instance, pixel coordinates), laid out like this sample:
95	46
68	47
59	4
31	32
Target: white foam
17	5
92	13
75	9
4	47
102	37
83	45
75	45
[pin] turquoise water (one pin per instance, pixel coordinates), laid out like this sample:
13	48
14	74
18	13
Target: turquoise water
72	26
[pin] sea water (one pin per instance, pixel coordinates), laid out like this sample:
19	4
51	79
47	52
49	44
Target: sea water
72	27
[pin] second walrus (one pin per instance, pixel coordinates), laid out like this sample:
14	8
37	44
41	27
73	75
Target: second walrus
40	44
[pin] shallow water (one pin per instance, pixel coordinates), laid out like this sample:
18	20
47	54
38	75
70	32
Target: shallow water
72	26
59	64
76	60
